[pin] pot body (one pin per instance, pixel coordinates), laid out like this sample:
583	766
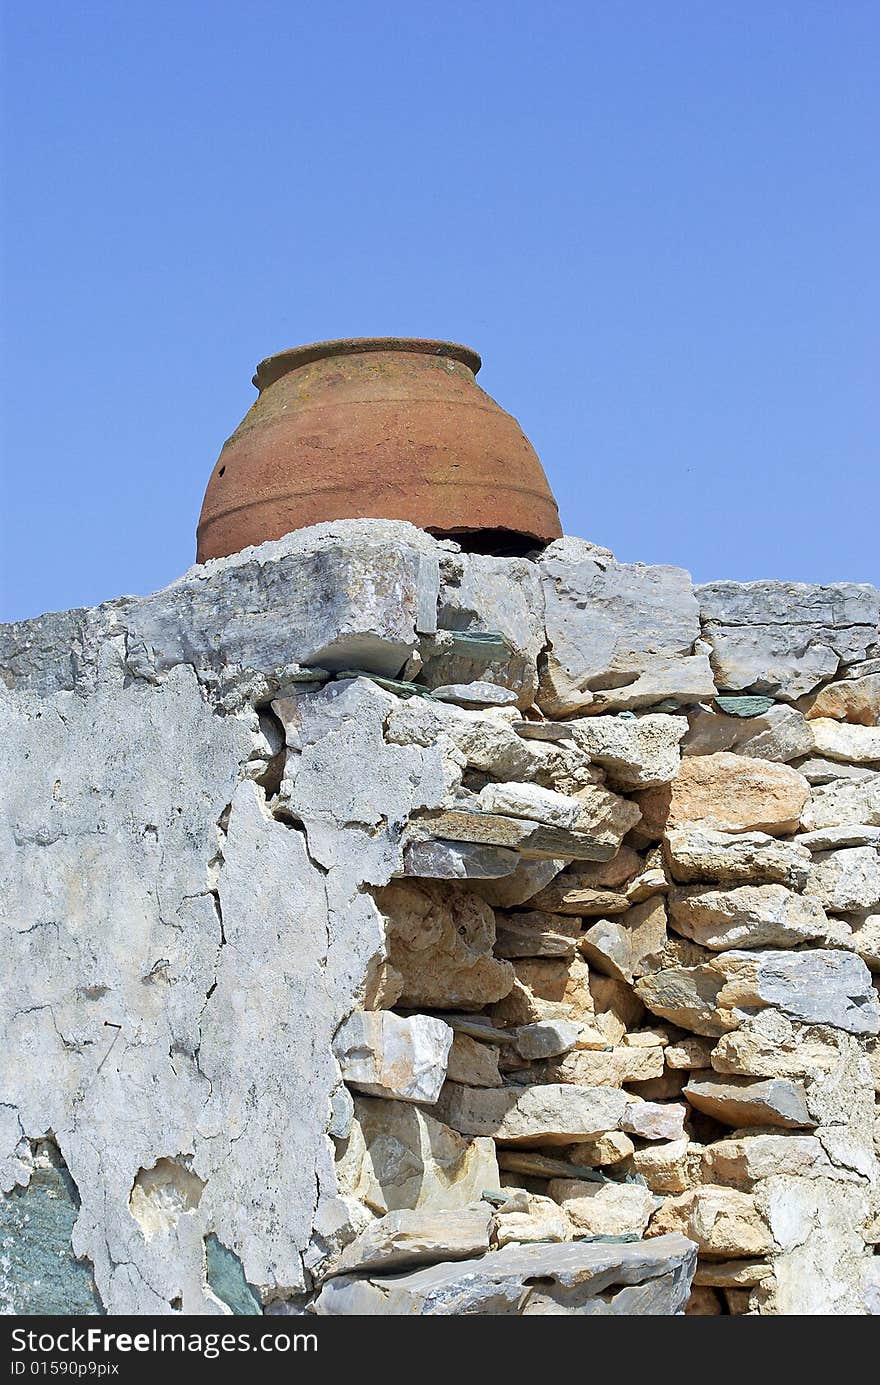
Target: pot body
377	428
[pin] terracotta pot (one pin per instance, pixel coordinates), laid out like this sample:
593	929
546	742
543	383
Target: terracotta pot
380	428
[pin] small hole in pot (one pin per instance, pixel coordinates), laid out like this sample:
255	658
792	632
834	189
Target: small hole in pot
221	471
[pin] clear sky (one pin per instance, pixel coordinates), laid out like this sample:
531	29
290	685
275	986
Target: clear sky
658	221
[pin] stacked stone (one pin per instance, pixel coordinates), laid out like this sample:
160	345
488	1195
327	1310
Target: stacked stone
532	972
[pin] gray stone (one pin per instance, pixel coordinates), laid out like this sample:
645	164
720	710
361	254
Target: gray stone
40	1274
782	733
846	881
820	771
352	591
687	996
438	860
844	802
532	839
547	1115
612	624
697	854
536	934
816	987
526	1280
546	1038
784	638
479	694
637	754
744	706
417	1237
529	878
743	1101
399	1156
832	838
383	1054
226	1279
491	618
746	916
607	946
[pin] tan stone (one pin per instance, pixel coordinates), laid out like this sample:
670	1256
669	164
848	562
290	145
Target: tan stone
743	1160
616	997
417	1237
645	924
588	1068
852	699
689	1054
732	1274
697	855
557	1113
545	988
608	1149
747	916
665	1168
727	793
440	945
527	1217
722	1222
839	740
703	1303
536	934
398	1156
473	1064
603	1209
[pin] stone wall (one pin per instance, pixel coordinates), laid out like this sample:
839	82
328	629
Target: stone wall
394	929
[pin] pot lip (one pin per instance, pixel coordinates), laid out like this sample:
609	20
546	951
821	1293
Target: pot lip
272	368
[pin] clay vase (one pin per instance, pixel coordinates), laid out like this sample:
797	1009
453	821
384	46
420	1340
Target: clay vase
378	428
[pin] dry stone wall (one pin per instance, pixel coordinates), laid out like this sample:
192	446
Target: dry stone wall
394	929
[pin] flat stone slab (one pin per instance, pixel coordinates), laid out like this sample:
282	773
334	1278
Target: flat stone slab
616	1279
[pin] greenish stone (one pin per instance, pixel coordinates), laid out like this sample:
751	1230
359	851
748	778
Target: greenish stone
226	1278
744	706
479	643
394	685
39	1273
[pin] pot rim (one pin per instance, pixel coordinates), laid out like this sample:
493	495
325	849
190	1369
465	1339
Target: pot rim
272	368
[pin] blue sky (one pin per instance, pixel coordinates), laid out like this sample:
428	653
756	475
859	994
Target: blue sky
658	223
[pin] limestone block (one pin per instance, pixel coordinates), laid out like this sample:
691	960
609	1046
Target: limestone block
744	1160
816	987
398	1156
545	988
527	1218
526	1280
610	624
382	1054
838	740
609	1068
472	1063
784	638
698	855
640	753
531	801
654	1120
727	793
552	1114
417	1237
440	945
480	593
477	694
854	700
546	1038
534	933
722	1222
666	1168
741	1101
603	1209
846	881
844	802
747	916
779	733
